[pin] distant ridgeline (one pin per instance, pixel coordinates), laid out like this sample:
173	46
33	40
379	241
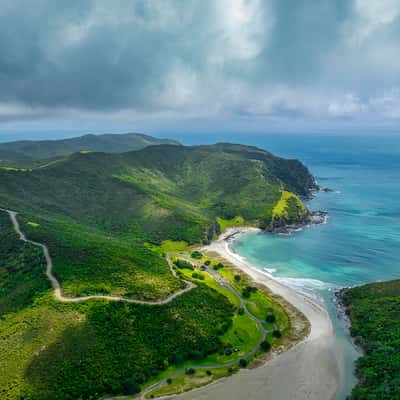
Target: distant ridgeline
104	218
374	311
33	153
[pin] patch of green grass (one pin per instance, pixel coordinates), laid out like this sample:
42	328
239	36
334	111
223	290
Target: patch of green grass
289	208
230	223
185	382
242	335
210	282
168	246
14	169
260	303
33	224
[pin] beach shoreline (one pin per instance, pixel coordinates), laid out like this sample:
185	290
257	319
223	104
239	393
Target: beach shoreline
308	370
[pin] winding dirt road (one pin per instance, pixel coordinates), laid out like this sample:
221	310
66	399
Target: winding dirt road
57	287
190	285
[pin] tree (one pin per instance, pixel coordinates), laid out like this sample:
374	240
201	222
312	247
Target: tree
196	275
277	333
169	381
183	264
237	278
130	386
218	266
190	371
242	363
196	354
270	318
208	372
196	254
240	311
266	346
248	290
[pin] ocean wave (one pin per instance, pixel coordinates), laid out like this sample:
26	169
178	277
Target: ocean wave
269	270
307	286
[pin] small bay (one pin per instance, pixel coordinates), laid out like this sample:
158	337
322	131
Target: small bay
360	242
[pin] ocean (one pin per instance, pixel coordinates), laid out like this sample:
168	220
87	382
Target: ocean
360	242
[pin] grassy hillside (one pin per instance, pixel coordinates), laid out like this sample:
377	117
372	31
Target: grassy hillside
107	219
96	210
33	152
374	311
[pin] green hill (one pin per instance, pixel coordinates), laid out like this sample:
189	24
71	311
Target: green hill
374	311
105	219
95	210
30	153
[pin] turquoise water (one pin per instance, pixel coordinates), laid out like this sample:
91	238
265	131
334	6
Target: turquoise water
361	241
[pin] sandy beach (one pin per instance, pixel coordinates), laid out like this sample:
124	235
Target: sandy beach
309	370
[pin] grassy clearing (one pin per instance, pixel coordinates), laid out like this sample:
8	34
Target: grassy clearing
168	246
260	303
241	337
288	207
230	223
185	382
33	224
293	325
210	282
14	169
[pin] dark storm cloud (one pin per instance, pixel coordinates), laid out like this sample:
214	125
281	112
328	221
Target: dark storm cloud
200	58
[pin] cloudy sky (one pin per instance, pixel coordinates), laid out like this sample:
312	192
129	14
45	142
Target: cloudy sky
195	65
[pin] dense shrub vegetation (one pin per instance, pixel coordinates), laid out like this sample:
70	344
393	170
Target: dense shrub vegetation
374	311
22	267
119	342
105	219
89	261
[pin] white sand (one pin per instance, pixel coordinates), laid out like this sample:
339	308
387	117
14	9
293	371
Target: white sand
308	370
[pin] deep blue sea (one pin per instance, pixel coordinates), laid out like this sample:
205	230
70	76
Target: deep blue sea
361	241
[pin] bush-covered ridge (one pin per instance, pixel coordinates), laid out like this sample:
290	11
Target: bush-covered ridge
107	219
374	311
95	211
39	152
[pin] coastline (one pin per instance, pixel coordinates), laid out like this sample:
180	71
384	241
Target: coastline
308	370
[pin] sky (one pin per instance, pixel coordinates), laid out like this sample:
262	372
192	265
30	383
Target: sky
160	66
